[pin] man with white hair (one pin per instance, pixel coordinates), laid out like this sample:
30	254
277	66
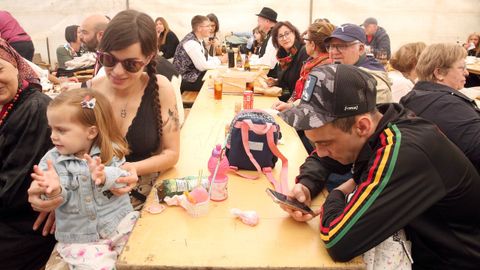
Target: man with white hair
346	45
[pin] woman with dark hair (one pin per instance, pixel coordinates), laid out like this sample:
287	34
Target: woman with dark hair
73	48
215	40
318	55
24	139
167	40
291	54
143	103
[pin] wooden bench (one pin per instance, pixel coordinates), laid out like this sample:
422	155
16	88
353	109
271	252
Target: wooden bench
188	98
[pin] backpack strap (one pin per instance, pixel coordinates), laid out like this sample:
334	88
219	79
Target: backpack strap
283	184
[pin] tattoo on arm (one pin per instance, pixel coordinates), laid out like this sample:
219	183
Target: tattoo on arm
173	121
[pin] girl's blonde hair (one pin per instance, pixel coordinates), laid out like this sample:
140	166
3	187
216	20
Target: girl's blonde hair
109	138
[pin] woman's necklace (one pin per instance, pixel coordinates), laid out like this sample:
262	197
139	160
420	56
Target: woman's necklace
7	108
123	111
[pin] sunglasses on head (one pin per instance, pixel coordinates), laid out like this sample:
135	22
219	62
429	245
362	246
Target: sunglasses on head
130	65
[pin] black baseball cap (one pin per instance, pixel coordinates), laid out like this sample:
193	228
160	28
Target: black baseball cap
331	92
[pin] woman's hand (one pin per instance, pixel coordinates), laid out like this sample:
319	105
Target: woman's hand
271	82
131	180
38	204
49	226
282	106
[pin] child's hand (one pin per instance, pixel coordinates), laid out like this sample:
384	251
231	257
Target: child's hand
97	169
47	179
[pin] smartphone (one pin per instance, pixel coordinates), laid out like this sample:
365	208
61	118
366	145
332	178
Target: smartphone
289	202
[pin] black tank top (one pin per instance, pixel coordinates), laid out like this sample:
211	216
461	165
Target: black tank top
142	135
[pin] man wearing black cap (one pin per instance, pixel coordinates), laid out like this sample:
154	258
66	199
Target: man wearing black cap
377	37
406	174
267	18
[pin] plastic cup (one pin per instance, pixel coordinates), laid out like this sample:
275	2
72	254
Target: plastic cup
198	209
217	88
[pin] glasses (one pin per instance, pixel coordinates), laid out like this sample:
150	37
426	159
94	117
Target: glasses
130	65
284	36
340	47
306	39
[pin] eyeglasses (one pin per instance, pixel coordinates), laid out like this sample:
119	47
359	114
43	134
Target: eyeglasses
306	39
130	65
340	47
284	36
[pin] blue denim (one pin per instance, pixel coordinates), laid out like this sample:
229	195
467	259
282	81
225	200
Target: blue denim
334	180
88	212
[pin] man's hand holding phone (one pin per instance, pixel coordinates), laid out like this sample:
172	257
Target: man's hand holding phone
300	210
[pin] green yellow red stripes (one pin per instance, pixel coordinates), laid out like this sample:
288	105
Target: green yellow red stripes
367	192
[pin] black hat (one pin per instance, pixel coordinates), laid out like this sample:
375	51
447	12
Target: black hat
269	14
332	92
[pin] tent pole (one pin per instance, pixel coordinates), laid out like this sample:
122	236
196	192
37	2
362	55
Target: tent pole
48	52
311	12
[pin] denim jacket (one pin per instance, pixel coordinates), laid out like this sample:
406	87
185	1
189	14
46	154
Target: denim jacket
88	212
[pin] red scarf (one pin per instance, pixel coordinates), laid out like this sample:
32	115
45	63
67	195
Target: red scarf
322	59
284	62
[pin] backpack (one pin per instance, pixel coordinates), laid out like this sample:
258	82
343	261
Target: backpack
252	145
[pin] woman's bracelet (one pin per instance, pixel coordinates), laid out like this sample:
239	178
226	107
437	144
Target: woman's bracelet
45	197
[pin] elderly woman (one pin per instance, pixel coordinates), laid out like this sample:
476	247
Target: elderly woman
167	40
24	139
291	54
441	72
71	49
318	55
403	62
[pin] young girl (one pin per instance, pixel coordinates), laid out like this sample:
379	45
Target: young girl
92	225
259	37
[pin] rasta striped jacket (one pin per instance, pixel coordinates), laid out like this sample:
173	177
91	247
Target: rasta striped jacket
408	175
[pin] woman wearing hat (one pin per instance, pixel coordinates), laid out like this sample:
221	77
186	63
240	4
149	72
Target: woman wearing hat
24	139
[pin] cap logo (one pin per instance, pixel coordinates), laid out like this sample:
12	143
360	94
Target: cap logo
350	108
308	88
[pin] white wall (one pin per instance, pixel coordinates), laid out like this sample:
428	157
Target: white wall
405	21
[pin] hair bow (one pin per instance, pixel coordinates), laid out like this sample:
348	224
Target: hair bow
88	102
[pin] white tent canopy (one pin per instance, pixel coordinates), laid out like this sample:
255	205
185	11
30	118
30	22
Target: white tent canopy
405	21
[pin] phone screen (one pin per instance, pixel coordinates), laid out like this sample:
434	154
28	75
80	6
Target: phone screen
289	201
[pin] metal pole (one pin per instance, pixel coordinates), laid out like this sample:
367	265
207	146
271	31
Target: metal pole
311	12
48	52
